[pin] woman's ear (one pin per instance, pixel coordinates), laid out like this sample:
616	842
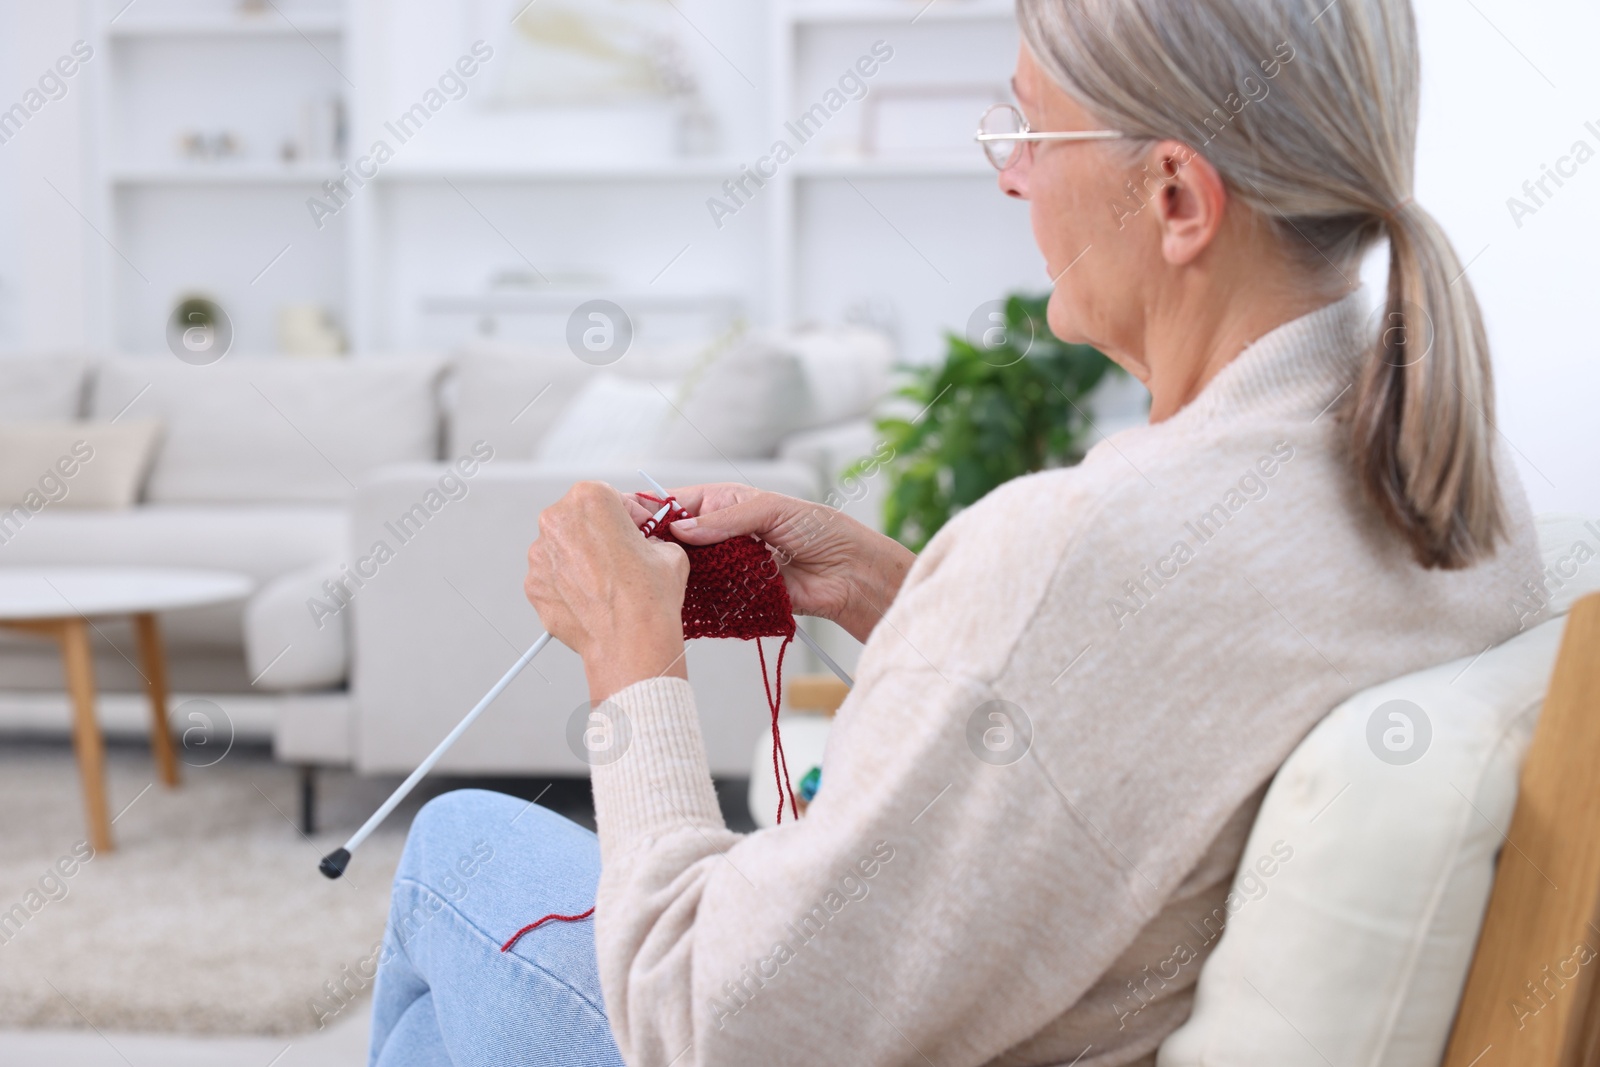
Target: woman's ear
1190	203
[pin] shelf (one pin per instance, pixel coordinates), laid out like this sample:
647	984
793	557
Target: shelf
666	170
694	170
269	24
844	12
562	298
895	168
224	174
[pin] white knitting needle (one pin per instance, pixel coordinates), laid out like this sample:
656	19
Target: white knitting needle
827	660
334	863
805	638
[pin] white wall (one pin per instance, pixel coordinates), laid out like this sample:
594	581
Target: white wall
1504	93
45	251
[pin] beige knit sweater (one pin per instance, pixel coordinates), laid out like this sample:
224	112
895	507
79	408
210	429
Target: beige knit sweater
1162	624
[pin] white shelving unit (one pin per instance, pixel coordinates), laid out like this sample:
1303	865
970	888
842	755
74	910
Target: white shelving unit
913	241
827	204
176	225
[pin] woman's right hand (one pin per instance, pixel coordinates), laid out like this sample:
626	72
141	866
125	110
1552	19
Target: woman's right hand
835	567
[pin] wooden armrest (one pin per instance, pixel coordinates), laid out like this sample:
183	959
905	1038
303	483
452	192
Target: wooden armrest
814	692
1531	998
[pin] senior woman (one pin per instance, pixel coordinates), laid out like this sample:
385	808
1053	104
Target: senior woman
1069	705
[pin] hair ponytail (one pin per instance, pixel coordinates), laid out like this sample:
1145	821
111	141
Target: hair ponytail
1308	111
1422	415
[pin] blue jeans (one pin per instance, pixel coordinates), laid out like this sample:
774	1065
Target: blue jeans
479	866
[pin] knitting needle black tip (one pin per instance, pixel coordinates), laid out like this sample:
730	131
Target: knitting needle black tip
334	863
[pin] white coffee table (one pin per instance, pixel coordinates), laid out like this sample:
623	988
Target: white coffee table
63	602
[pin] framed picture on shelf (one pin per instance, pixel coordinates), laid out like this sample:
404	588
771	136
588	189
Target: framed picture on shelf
578	52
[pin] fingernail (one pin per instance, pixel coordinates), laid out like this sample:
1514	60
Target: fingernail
686	524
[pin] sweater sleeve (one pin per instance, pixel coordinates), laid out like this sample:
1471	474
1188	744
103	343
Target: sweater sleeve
940	902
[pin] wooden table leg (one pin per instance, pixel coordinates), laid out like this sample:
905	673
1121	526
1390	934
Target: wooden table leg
154	660
86	740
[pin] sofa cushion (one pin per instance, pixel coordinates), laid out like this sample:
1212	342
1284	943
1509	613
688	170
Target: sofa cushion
847	371
747	400
296	632
1356	910
508	396
70	464
612	420
735	397
513	395
274	430
261	541
36	387
761	390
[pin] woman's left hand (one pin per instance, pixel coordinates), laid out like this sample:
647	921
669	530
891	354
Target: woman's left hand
606	591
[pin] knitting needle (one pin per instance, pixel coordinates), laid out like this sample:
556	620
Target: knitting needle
827	660
805	638
660	492
335	862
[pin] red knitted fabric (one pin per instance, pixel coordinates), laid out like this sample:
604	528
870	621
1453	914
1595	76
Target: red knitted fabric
734	590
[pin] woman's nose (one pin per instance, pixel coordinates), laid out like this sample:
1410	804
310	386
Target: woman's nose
1014	179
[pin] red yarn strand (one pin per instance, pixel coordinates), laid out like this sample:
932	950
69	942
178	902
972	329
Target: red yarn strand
548	918
774	705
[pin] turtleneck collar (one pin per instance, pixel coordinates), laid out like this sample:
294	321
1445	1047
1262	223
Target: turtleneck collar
1301	366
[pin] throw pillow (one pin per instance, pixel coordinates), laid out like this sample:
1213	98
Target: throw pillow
510	396
75	464
750	397
612	419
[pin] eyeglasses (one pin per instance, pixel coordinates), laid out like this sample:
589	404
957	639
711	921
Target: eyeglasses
1003	132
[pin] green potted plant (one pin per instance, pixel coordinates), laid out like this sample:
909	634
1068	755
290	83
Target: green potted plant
1011	404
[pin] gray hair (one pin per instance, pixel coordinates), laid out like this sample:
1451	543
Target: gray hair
1325	153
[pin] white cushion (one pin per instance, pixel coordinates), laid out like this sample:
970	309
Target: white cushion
750	397
75	464
509	397
1355	948
37	387
847	371
611	420
263	430
736	397
764	388
295	632
512	395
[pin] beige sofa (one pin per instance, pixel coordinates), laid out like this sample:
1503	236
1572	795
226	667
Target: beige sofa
292	471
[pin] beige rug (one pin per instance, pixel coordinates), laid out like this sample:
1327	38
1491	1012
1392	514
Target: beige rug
210	916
